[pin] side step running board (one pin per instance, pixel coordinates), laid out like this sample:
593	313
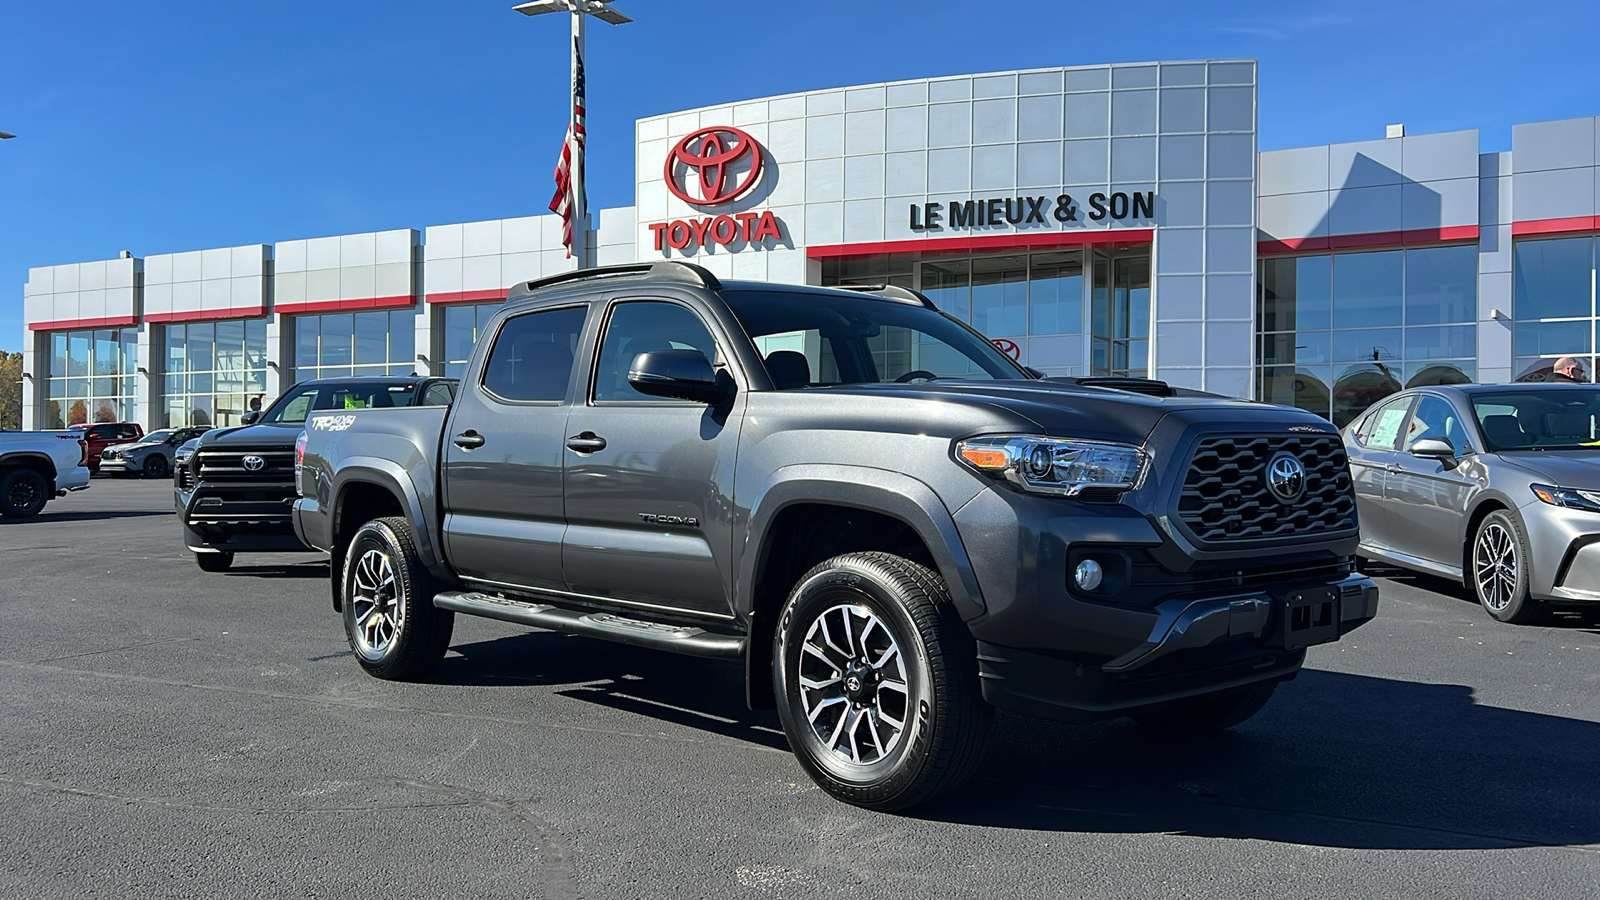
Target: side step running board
675	638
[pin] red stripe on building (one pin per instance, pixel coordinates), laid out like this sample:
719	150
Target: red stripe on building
468	296
1374	240
359	305
1032	241
75	324
205	315
1556	226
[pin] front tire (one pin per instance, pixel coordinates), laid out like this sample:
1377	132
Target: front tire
1215	712
155	466
23	493
213	562
393	627
1500	576
877	682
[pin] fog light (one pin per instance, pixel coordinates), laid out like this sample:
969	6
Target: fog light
1088	575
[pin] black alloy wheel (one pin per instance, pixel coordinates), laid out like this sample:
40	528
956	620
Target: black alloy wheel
23	493
155	466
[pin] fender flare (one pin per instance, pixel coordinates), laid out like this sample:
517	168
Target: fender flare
894	494
397	480
32	456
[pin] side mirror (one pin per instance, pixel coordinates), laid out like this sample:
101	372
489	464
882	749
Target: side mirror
250	418
1433	448
679	374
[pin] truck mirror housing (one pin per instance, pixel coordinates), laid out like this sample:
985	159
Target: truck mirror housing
679	374
250	418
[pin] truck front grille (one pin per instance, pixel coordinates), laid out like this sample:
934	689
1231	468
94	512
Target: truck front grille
230	465
1225	497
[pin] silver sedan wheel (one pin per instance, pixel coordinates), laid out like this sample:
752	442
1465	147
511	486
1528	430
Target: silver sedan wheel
853	685
1495	566
379	612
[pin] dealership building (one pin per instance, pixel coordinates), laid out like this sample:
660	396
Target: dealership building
1091	220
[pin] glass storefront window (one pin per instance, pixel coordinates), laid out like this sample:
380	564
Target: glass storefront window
1055	293
1554	278
366	343
90	377
1000	295
1367	289
463	327
216	371
1387	320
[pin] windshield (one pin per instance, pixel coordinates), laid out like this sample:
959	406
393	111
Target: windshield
819	339
1566	418
157	437
302	399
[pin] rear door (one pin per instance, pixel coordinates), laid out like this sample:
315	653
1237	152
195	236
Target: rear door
504	445
648	479
1375	437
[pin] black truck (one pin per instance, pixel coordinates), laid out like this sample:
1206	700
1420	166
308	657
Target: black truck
892	525
234	487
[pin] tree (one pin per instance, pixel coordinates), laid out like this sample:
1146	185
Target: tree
10	390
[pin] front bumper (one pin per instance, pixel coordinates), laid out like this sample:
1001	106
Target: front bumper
1566	552
1196	647
237	519
121	466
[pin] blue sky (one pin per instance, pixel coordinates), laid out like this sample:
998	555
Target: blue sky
159	127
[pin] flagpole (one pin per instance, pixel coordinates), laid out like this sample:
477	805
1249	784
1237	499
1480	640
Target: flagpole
580	224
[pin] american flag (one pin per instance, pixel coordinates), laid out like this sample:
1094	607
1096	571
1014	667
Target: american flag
569	200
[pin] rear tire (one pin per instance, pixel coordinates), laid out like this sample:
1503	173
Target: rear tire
1214	712
876	680
1499	559
213	562
393	627
23	493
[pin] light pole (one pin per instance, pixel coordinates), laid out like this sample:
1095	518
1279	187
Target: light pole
576	211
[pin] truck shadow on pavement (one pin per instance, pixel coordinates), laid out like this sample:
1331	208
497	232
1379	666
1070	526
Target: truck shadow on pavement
1335	760
48	516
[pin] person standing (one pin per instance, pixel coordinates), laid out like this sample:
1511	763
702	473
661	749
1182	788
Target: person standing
1568	370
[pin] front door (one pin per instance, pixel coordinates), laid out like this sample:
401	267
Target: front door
1371	459
648	480
1426	499
504	445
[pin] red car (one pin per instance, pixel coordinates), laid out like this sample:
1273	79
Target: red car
101	435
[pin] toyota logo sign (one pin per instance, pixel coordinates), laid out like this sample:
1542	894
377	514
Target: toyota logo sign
253	463
713	165
1286	477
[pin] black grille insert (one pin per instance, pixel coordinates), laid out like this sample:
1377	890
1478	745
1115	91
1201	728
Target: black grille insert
1225	497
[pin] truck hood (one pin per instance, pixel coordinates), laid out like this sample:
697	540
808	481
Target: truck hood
1561	468
136	445
272	434
1074	410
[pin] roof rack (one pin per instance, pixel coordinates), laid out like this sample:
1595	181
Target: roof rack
665	270
890	292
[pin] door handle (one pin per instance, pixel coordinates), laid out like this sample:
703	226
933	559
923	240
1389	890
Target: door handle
1394	468
468	440
588	442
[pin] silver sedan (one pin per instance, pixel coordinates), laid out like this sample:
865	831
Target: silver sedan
1497	486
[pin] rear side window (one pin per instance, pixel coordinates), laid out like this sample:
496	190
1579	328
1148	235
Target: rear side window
532	355
1381	429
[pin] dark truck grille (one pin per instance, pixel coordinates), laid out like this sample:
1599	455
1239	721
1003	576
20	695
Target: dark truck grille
217	466
1225	497
185	477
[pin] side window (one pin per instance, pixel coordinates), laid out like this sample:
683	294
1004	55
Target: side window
1435	418
437	394
1381	429
644	326
532	355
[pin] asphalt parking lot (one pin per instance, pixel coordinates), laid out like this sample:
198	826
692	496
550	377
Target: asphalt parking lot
168	733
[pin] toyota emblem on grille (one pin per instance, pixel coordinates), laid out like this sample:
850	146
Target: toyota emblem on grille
1286	477
253	463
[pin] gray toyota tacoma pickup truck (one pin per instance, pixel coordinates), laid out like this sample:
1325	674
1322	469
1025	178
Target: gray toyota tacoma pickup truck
892	525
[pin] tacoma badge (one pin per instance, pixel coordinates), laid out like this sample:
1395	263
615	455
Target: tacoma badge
654	519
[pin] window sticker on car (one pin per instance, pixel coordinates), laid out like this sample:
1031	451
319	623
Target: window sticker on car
354	402
332	423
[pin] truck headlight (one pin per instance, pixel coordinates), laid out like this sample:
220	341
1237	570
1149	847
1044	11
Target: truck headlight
1571	498
1046	465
